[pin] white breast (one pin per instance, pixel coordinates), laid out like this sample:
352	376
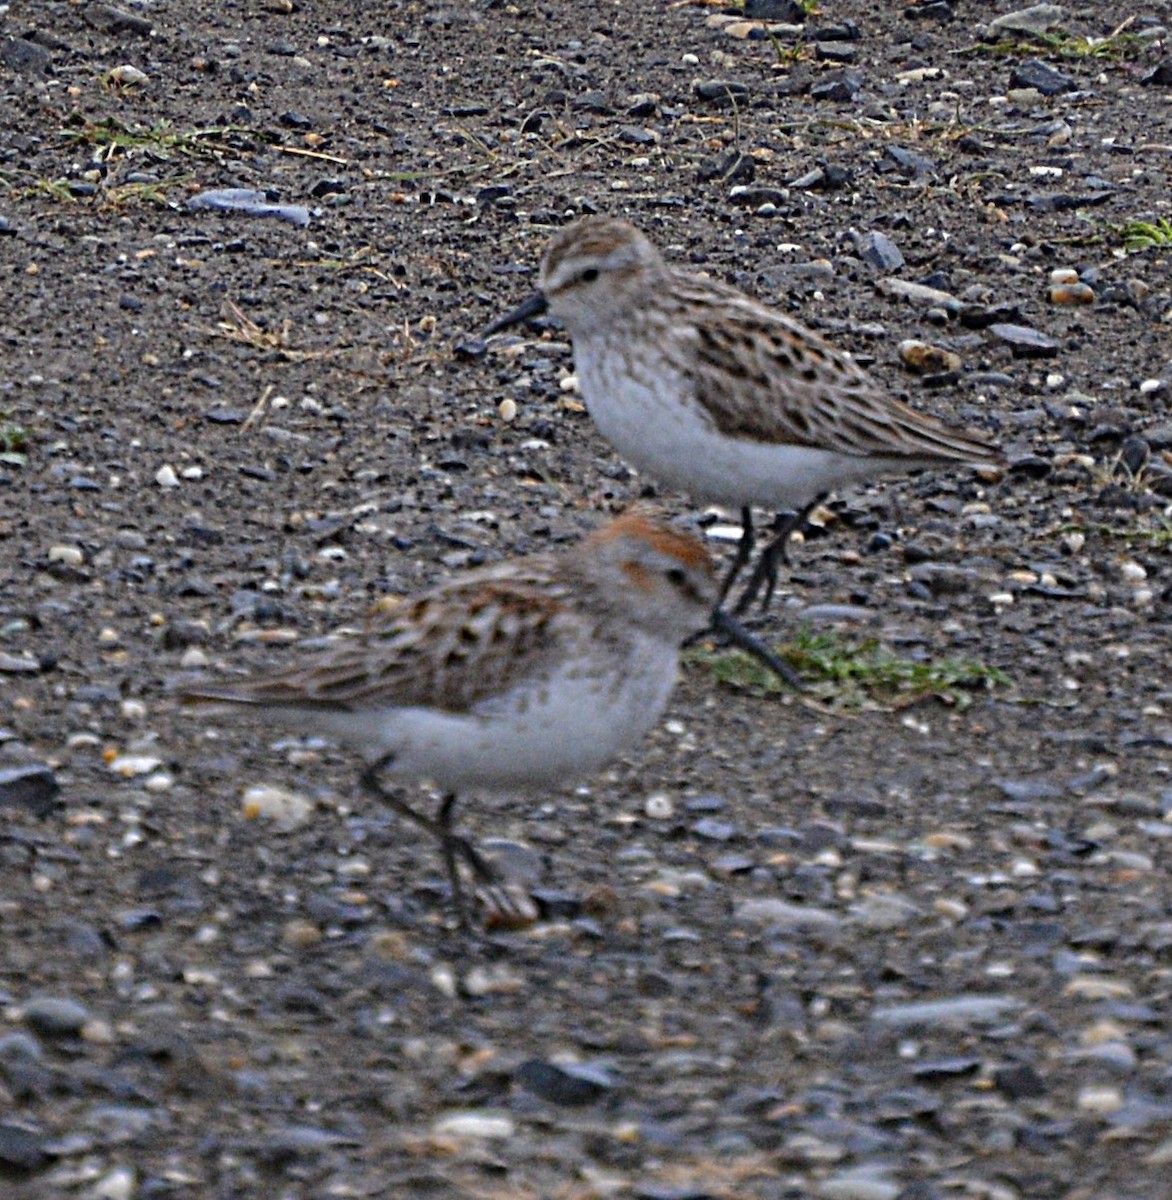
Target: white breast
652	421
560	731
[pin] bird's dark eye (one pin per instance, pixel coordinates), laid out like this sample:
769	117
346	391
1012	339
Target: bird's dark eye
589	275
677	576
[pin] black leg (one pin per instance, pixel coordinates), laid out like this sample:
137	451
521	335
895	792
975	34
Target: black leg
740	637
743	554
769	564
451	844
448	844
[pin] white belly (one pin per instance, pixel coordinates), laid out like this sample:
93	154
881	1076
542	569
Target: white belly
661	432
557	733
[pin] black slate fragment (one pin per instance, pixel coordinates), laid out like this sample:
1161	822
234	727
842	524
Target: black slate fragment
33	787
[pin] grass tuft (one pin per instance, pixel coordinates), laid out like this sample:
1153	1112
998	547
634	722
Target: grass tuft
852	673
112	139
1118	46
14	440
1157	534
1144	235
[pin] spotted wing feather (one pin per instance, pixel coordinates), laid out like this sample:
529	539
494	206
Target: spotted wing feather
448	649
764	378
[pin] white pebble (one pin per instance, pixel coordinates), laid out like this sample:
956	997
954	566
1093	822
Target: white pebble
507	410
498	980
1098	987
126	75
1132	572
690	60
100	1033
129	765
884	911
70	555
119	1184
862	1183
475	1124
1102	1100
1150	385
287	810
443	979
133	710
192	472
160	781
193	659
659	807
165	476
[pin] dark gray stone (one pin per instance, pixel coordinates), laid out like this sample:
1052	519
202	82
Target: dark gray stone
879	251
1033	73
33	787
789	11
572	1085
23	57
1024	342
55	1016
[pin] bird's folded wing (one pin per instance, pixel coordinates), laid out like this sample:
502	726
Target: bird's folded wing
448	649
763	378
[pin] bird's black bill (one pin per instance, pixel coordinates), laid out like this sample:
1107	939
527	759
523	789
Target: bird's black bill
740	637
531	306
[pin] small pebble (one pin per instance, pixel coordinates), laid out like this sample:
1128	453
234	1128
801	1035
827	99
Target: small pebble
859	1184
1100	1100
130	765
962	1010
571	1085
55	1016
884	911
165	477
1071	293
70	555
33	787
498	979
770	911
287	810
471	1123
926	359
300	934
127	76
659	807
1096	987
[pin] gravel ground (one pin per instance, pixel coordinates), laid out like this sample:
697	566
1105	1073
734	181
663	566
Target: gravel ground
860	945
